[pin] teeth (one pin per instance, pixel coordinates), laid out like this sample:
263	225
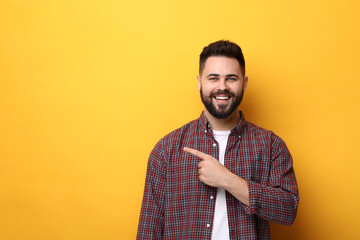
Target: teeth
222	98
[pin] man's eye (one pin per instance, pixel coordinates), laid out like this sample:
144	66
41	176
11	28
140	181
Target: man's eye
232	79
213	79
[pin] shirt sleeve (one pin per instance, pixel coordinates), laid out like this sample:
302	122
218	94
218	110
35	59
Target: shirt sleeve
276	201
151	222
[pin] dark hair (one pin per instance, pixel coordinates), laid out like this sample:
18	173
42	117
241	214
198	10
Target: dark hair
223	48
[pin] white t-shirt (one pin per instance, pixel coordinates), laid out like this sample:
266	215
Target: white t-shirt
221	224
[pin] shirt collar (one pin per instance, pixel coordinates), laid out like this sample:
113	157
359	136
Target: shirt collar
204	123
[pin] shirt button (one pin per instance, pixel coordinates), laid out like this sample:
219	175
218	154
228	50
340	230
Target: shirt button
205	131
208	225
211	197
239	136
214	144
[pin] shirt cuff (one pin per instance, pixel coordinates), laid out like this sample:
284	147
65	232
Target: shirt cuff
255	191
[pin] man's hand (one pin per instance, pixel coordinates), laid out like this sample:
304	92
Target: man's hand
211	171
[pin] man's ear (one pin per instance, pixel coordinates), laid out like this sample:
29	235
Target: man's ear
245	83
198	82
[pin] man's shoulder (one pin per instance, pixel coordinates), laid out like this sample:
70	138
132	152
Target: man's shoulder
174	140
261	133
266	137
255	129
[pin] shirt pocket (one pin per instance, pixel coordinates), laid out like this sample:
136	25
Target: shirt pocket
250	163
183	173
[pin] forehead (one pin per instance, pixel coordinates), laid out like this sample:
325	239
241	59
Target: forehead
222	65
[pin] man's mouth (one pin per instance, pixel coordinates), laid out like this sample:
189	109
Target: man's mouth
222	97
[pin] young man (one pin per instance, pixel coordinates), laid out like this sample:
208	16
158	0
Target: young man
218	177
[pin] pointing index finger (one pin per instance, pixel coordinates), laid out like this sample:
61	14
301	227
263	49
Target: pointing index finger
195	152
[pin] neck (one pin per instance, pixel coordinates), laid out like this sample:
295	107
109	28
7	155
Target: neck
223	124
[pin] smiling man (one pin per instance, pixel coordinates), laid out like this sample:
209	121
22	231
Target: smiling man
218	177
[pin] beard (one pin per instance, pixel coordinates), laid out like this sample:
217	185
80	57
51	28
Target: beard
221	111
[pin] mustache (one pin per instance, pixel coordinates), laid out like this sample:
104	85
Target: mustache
222	92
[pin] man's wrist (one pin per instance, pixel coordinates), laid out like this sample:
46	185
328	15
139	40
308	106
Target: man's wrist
230	181
237	187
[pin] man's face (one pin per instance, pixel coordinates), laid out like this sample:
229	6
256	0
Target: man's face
221	86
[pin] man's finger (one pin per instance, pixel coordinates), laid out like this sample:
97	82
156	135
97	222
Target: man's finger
195	152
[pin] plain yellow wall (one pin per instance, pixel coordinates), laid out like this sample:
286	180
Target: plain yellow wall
88	87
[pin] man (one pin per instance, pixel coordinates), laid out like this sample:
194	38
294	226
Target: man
218	177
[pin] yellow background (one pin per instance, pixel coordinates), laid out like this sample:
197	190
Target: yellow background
88	87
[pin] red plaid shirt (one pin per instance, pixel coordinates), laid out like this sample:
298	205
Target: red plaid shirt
177	205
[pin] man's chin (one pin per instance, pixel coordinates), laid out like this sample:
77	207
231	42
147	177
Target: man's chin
220	110
221	114
223	109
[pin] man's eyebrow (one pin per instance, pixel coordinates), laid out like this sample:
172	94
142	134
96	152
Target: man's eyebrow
232	75
213	75
218	75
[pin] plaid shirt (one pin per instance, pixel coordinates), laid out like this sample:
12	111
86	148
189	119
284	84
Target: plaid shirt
177	205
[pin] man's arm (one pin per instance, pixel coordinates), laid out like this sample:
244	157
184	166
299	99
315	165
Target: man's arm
276	202
151	222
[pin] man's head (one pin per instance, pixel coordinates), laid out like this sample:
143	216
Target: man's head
222	48
222	79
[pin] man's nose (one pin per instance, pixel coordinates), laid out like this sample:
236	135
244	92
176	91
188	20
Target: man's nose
223	84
